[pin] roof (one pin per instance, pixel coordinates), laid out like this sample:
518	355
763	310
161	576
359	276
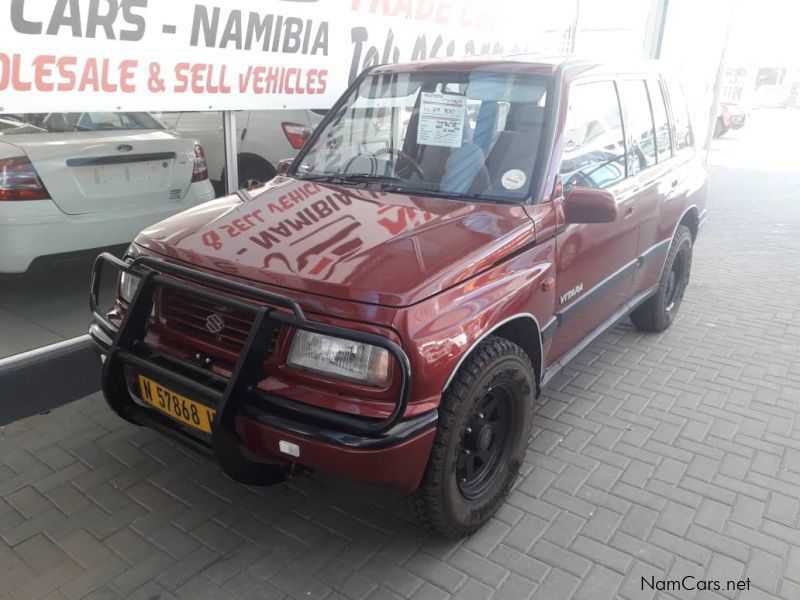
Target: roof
526	63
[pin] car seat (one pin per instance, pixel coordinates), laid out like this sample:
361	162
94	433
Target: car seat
516	147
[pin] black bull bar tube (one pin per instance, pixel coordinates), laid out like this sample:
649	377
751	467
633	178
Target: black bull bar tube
226	395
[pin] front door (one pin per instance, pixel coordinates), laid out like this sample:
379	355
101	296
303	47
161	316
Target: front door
595	262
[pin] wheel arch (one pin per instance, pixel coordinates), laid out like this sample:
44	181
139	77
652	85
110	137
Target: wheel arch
522	329
249	158
690	218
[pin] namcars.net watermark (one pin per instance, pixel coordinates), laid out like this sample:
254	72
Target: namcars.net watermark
691	583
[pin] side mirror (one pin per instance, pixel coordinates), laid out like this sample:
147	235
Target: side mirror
588	205
284	165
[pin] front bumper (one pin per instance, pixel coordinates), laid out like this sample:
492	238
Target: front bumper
252	428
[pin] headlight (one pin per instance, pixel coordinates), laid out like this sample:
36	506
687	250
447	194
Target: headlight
128	284
340	358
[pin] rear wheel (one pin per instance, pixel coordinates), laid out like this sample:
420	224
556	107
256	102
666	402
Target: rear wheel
659	311
485	421
719	128
254	172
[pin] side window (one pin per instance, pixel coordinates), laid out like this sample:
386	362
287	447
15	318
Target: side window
663	143
503	108
681	126
594	143
638	125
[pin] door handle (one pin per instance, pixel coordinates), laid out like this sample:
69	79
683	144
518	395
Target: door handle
629	210
675	183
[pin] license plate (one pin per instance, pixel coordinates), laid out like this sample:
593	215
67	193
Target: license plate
176	406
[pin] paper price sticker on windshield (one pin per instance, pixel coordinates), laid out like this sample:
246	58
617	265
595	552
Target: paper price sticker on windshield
441	120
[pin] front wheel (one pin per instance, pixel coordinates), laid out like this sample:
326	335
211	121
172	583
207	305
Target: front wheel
485	421
658	312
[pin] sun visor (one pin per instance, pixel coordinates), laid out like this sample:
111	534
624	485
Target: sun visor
393	85
503	87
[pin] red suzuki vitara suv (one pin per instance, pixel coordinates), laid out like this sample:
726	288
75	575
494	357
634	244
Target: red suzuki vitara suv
389	308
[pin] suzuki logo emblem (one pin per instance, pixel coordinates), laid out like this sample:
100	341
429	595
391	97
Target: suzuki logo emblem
214	323
124	148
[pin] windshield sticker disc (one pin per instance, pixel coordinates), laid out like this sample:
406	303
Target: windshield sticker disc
513	179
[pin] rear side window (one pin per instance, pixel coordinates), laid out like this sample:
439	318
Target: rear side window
77	122
594	143
663	144
681	125
638	125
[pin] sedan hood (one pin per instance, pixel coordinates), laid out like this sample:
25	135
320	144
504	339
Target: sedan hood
381	248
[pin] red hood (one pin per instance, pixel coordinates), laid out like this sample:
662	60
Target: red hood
380	248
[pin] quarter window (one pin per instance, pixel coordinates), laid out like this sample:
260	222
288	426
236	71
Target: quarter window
638	125
682	127
594	142
660	119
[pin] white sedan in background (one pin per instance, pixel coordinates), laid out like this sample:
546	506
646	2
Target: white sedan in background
264	138
71	182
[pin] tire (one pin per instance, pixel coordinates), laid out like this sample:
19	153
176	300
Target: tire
719	128
485	421
253	173
658	312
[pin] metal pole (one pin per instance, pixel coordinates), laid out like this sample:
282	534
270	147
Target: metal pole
656	23
575	26
230	143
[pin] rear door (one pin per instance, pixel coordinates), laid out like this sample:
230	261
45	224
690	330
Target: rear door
96	162
673	179
646	173
595	262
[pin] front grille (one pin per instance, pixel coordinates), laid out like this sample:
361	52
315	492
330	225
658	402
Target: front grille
222	330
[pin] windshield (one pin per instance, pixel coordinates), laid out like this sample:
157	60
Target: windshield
18	123
453	133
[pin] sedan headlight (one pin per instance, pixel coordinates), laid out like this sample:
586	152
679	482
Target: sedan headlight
340	358
128	284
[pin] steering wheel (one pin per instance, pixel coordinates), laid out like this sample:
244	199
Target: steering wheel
402	156
373	162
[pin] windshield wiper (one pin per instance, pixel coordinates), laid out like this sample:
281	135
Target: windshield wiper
352	178
438	193
396	186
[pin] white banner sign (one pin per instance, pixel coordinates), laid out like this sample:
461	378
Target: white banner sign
159	55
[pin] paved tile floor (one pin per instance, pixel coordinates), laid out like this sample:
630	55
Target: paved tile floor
48	305
652	456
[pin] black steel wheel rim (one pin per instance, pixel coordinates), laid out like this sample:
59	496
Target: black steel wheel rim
485	442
